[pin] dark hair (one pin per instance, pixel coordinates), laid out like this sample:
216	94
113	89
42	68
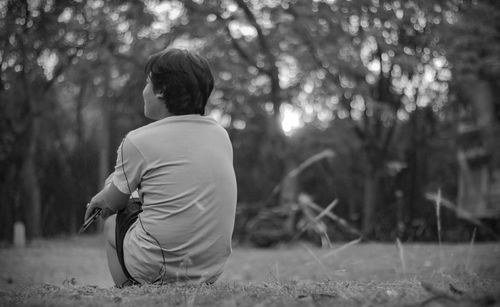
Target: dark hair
182	79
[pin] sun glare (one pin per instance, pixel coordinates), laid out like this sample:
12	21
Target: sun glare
290	119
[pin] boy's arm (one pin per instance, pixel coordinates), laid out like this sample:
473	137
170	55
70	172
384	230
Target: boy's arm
109	197
129	166
109	180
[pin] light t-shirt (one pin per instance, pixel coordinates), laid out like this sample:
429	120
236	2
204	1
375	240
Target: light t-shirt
182	167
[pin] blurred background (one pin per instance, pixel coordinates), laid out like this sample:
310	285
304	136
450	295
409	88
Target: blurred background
389	107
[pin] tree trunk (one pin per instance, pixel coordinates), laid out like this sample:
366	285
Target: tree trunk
80	160
31	189
353	208
103	152
370	200
288	199
8	206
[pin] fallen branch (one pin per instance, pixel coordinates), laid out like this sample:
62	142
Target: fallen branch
328	153
335	218
313	221
460	212
318	217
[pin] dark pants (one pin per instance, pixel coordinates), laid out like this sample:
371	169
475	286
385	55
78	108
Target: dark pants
124	219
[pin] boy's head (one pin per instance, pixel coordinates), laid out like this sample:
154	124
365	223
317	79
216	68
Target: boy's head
181	79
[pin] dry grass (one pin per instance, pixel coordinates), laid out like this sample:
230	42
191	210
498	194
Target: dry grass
73	271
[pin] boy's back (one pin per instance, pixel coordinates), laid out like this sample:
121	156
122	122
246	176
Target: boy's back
183	167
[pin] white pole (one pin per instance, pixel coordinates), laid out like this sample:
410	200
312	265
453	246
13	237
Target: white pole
19	234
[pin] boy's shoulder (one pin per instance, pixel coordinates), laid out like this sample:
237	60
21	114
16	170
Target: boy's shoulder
169	124
133	134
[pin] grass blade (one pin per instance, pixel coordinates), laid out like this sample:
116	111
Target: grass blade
438	222
317	260
461	213
438	215
343	247
401	255
469	250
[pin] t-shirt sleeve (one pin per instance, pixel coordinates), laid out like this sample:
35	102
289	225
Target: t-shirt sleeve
129	168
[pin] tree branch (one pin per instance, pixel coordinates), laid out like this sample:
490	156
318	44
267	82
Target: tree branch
234	42
190	4
126	58
273	72
388	138
308	41
260	35
236	45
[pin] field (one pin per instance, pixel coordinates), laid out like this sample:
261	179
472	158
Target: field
72	271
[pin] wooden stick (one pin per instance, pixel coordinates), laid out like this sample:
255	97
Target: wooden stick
335	218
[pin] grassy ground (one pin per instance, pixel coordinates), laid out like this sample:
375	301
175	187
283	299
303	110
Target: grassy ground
73	271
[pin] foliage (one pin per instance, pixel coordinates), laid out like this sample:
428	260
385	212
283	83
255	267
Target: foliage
381	83
57	58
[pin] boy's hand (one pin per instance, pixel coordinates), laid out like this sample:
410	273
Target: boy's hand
110	200
97	201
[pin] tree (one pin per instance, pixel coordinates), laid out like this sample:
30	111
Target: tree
30	67
471	42
382	83
372	57
366	61
257	51
36	56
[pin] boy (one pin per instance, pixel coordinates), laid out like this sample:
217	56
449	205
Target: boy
181	166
